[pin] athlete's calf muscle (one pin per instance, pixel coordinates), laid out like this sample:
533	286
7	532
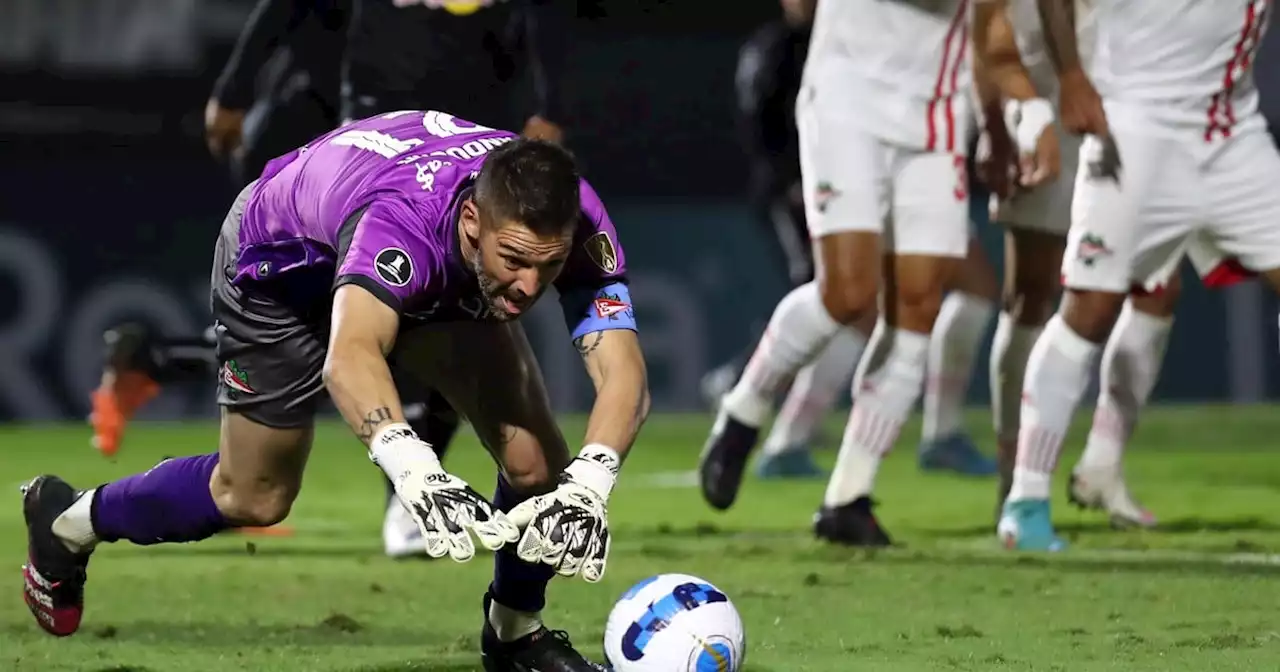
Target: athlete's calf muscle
259	471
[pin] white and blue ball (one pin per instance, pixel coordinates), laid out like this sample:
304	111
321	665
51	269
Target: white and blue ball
674	623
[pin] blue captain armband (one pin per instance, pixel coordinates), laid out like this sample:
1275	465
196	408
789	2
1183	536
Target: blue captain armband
587	310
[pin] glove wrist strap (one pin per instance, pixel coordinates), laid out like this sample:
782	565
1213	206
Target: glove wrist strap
397	449
1026	120
596	468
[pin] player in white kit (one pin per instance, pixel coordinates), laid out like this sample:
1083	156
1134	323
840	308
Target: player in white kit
1010	56
1176	159
768	66
882	117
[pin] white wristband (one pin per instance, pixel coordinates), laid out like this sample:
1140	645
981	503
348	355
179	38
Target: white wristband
1026	120
596	468
396	448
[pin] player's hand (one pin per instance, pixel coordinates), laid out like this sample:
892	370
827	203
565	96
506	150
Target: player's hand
568	528
1045	163
223	129
446	509
1030	123
538	128
996	159
1080	106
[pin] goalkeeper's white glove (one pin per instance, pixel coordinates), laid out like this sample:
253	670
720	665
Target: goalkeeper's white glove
568	528
446	509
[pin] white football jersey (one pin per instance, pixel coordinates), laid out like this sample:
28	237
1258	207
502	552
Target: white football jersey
1181	63
1024	18
901	67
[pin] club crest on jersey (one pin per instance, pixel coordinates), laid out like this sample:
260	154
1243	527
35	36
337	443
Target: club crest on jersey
823	195
235	378
599	247
1092	248
610	306
393	266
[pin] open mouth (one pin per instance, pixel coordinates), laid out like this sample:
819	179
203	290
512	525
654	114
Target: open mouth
511	306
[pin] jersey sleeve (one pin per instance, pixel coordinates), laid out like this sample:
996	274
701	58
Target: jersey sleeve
383	248
594	291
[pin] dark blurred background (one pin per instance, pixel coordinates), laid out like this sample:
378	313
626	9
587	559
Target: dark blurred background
109	201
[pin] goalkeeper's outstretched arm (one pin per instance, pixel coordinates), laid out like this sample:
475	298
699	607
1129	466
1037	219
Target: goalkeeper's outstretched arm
616	366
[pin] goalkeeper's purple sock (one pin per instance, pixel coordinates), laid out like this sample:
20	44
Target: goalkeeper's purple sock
169	503
517	584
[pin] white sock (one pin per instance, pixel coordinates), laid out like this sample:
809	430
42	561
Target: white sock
814	392
885	390
511	624
1130	366
953	346
1010	348
799	329
75	526
1058	373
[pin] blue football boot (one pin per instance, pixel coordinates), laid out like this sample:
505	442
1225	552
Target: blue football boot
1026	526
794	463
956	453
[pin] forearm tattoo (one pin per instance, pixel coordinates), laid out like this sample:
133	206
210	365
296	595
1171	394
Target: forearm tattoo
587	343
1058	20
369	424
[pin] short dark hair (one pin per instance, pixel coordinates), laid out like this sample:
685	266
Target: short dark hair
533	182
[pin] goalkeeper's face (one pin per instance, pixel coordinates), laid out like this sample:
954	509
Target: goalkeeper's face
513	264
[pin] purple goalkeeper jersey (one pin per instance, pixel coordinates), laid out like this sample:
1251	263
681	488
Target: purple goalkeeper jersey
376	203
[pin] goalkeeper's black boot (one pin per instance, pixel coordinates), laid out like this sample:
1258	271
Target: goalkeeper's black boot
724	460
852	524
543	651
54	576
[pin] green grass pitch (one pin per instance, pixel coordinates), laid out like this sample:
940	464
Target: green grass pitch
1201	594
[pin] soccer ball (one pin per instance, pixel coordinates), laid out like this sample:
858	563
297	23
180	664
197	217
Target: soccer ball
674	623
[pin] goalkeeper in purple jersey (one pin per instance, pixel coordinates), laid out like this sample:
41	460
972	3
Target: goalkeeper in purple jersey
416	239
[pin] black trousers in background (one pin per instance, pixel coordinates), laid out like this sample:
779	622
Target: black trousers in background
279	125
783	222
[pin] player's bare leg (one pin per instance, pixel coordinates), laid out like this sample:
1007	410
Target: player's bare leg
1131	364
1031	288
489	373
889	381
958	333
802	325
787	451
137	364
252	480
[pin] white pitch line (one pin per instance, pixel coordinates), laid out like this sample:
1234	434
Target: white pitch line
669	479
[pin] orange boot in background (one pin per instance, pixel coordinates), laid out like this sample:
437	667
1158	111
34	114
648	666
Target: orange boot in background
128	384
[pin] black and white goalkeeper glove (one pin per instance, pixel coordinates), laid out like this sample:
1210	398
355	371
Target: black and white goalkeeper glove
568	528
447	510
